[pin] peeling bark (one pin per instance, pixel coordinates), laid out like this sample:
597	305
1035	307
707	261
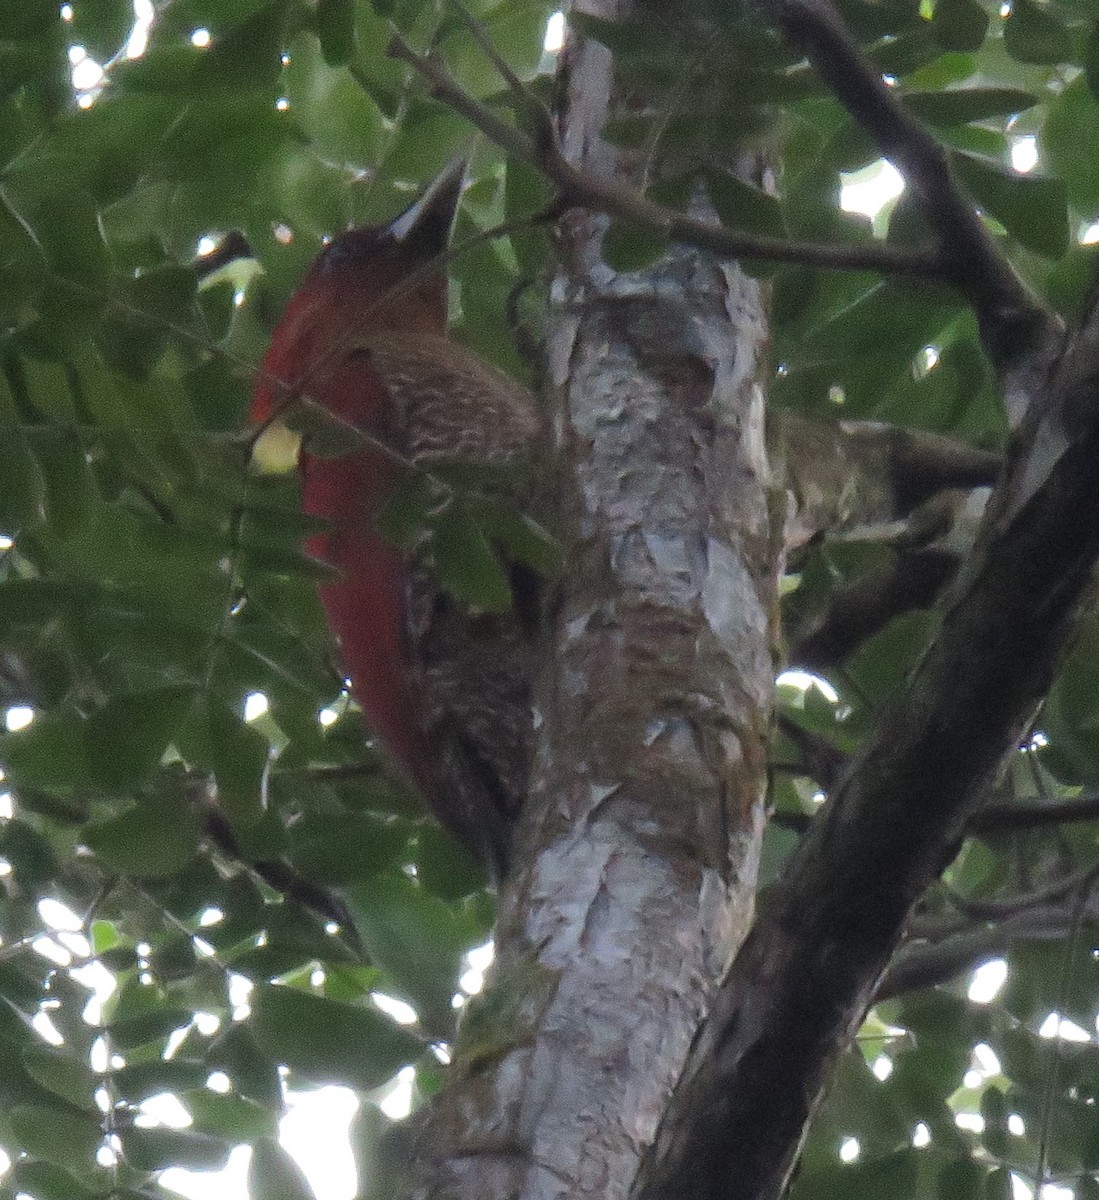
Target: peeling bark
636	860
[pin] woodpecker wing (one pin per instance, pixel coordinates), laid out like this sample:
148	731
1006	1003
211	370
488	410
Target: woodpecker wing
472	670
452	405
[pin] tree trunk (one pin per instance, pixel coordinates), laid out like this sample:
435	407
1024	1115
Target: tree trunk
636	860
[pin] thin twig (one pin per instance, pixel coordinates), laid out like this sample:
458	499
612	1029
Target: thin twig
525	99
1014	323
581	190
1070	952
995	818
997	907
920	965
1005	818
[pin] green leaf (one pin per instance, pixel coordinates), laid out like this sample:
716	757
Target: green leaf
960	1179
464	559
330	1042
444	868
174	959
62	1136
127	736
155	1149
32	858
999	1185
220	741
1091	60
959	24
70	488
1071	713
22	262
517	29
962	105
1069	285
406	512
234	1118
49	754
520	537
1073	122
140	1080
249	54
22	486
740	205
906	54
379	76
336	32
45	1181
342	121
628	247
626	38
151	839
143	1028
324	434
171	572
68	229
254	1074
526	192
63	1073
151	308
341	849
417	940
383	1150
1033	35
1031	208
274	1175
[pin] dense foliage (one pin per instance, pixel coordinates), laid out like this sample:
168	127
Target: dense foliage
153	590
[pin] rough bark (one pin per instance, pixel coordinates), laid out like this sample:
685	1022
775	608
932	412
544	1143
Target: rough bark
635	863
804	977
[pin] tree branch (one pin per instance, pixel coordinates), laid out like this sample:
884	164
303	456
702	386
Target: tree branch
804	977
1020	334
923	964
996	908
992	820
821	760
1006	818
913	579
581	189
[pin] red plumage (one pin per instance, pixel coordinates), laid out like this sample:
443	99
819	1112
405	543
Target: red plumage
445	689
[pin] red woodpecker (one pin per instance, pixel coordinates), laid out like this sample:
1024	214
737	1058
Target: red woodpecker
446	689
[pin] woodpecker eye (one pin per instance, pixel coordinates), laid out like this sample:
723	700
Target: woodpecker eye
350	251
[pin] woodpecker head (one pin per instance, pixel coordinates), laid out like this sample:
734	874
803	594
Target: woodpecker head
375	277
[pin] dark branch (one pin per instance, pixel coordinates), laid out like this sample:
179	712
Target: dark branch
1006	818
821	760
996	908
855	613
813	962
991	821
1015	326
923	964
616	200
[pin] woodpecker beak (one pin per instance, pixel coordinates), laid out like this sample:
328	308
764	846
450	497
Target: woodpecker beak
424	227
